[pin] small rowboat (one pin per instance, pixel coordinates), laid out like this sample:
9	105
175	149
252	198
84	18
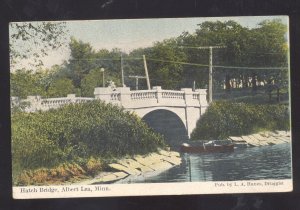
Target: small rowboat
207	147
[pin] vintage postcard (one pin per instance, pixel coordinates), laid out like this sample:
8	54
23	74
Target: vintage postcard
132	107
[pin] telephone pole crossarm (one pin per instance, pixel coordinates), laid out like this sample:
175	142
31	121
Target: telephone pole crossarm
137	80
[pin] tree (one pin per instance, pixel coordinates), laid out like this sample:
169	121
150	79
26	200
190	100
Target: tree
35	39
81	61
90	81
268	48
264	46
61	88
25	83
85	60
162	70
94	79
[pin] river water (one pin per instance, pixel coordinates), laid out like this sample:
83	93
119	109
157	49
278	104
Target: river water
256	163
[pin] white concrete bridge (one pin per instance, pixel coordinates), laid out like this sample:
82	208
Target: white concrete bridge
172	113
160	107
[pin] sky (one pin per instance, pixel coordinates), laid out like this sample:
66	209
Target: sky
129	34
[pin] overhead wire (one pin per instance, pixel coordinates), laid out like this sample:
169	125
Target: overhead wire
206	47
105	59
218	66
191	64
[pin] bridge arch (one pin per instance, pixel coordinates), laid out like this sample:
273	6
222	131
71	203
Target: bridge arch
169	124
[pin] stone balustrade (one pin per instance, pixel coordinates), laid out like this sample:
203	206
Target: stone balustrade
36	103
143	94
127	98
115	97
172	94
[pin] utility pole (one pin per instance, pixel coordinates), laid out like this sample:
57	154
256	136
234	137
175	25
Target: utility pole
146	72
122	71
210	76
102	70
210	67
137	80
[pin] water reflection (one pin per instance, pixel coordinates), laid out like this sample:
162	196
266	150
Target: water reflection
267	162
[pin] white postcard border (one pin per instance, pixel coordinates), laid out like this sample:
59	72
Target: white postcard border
116	190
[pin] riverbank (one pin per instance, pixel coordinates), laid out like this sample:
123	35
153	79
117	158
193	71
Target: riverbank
97	171
263	138
138	166
128	170
153	164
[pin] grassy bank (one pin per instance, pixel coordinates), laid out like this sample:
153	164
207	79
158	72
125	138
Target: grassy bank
223	119
70	137
246	95
61	174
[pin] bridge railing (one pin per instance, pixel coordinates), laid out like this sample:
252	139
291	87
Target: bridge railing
124	96
153	94
196	96
35	103
63	101
115	96
172	94
143	94
55	102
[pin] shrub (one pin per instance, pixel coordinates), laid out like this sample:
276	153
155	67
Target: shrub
223	119
75	132
93	166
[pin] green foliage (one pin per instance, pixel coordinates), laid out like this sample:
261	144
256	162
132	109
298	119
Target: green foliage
223	119
90	81
24	83
61	88
46	83
95	79
77	131
81	60
27	37
84	64
262	46
166	74
245	95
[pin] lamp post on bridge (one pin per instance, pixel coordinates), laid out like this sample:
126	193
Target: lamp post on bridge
102	70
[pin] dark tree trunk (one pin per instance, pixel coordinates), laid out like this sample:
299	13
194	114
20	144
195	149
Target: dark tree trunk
238	82
245	81
254	83
232	83
227	83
